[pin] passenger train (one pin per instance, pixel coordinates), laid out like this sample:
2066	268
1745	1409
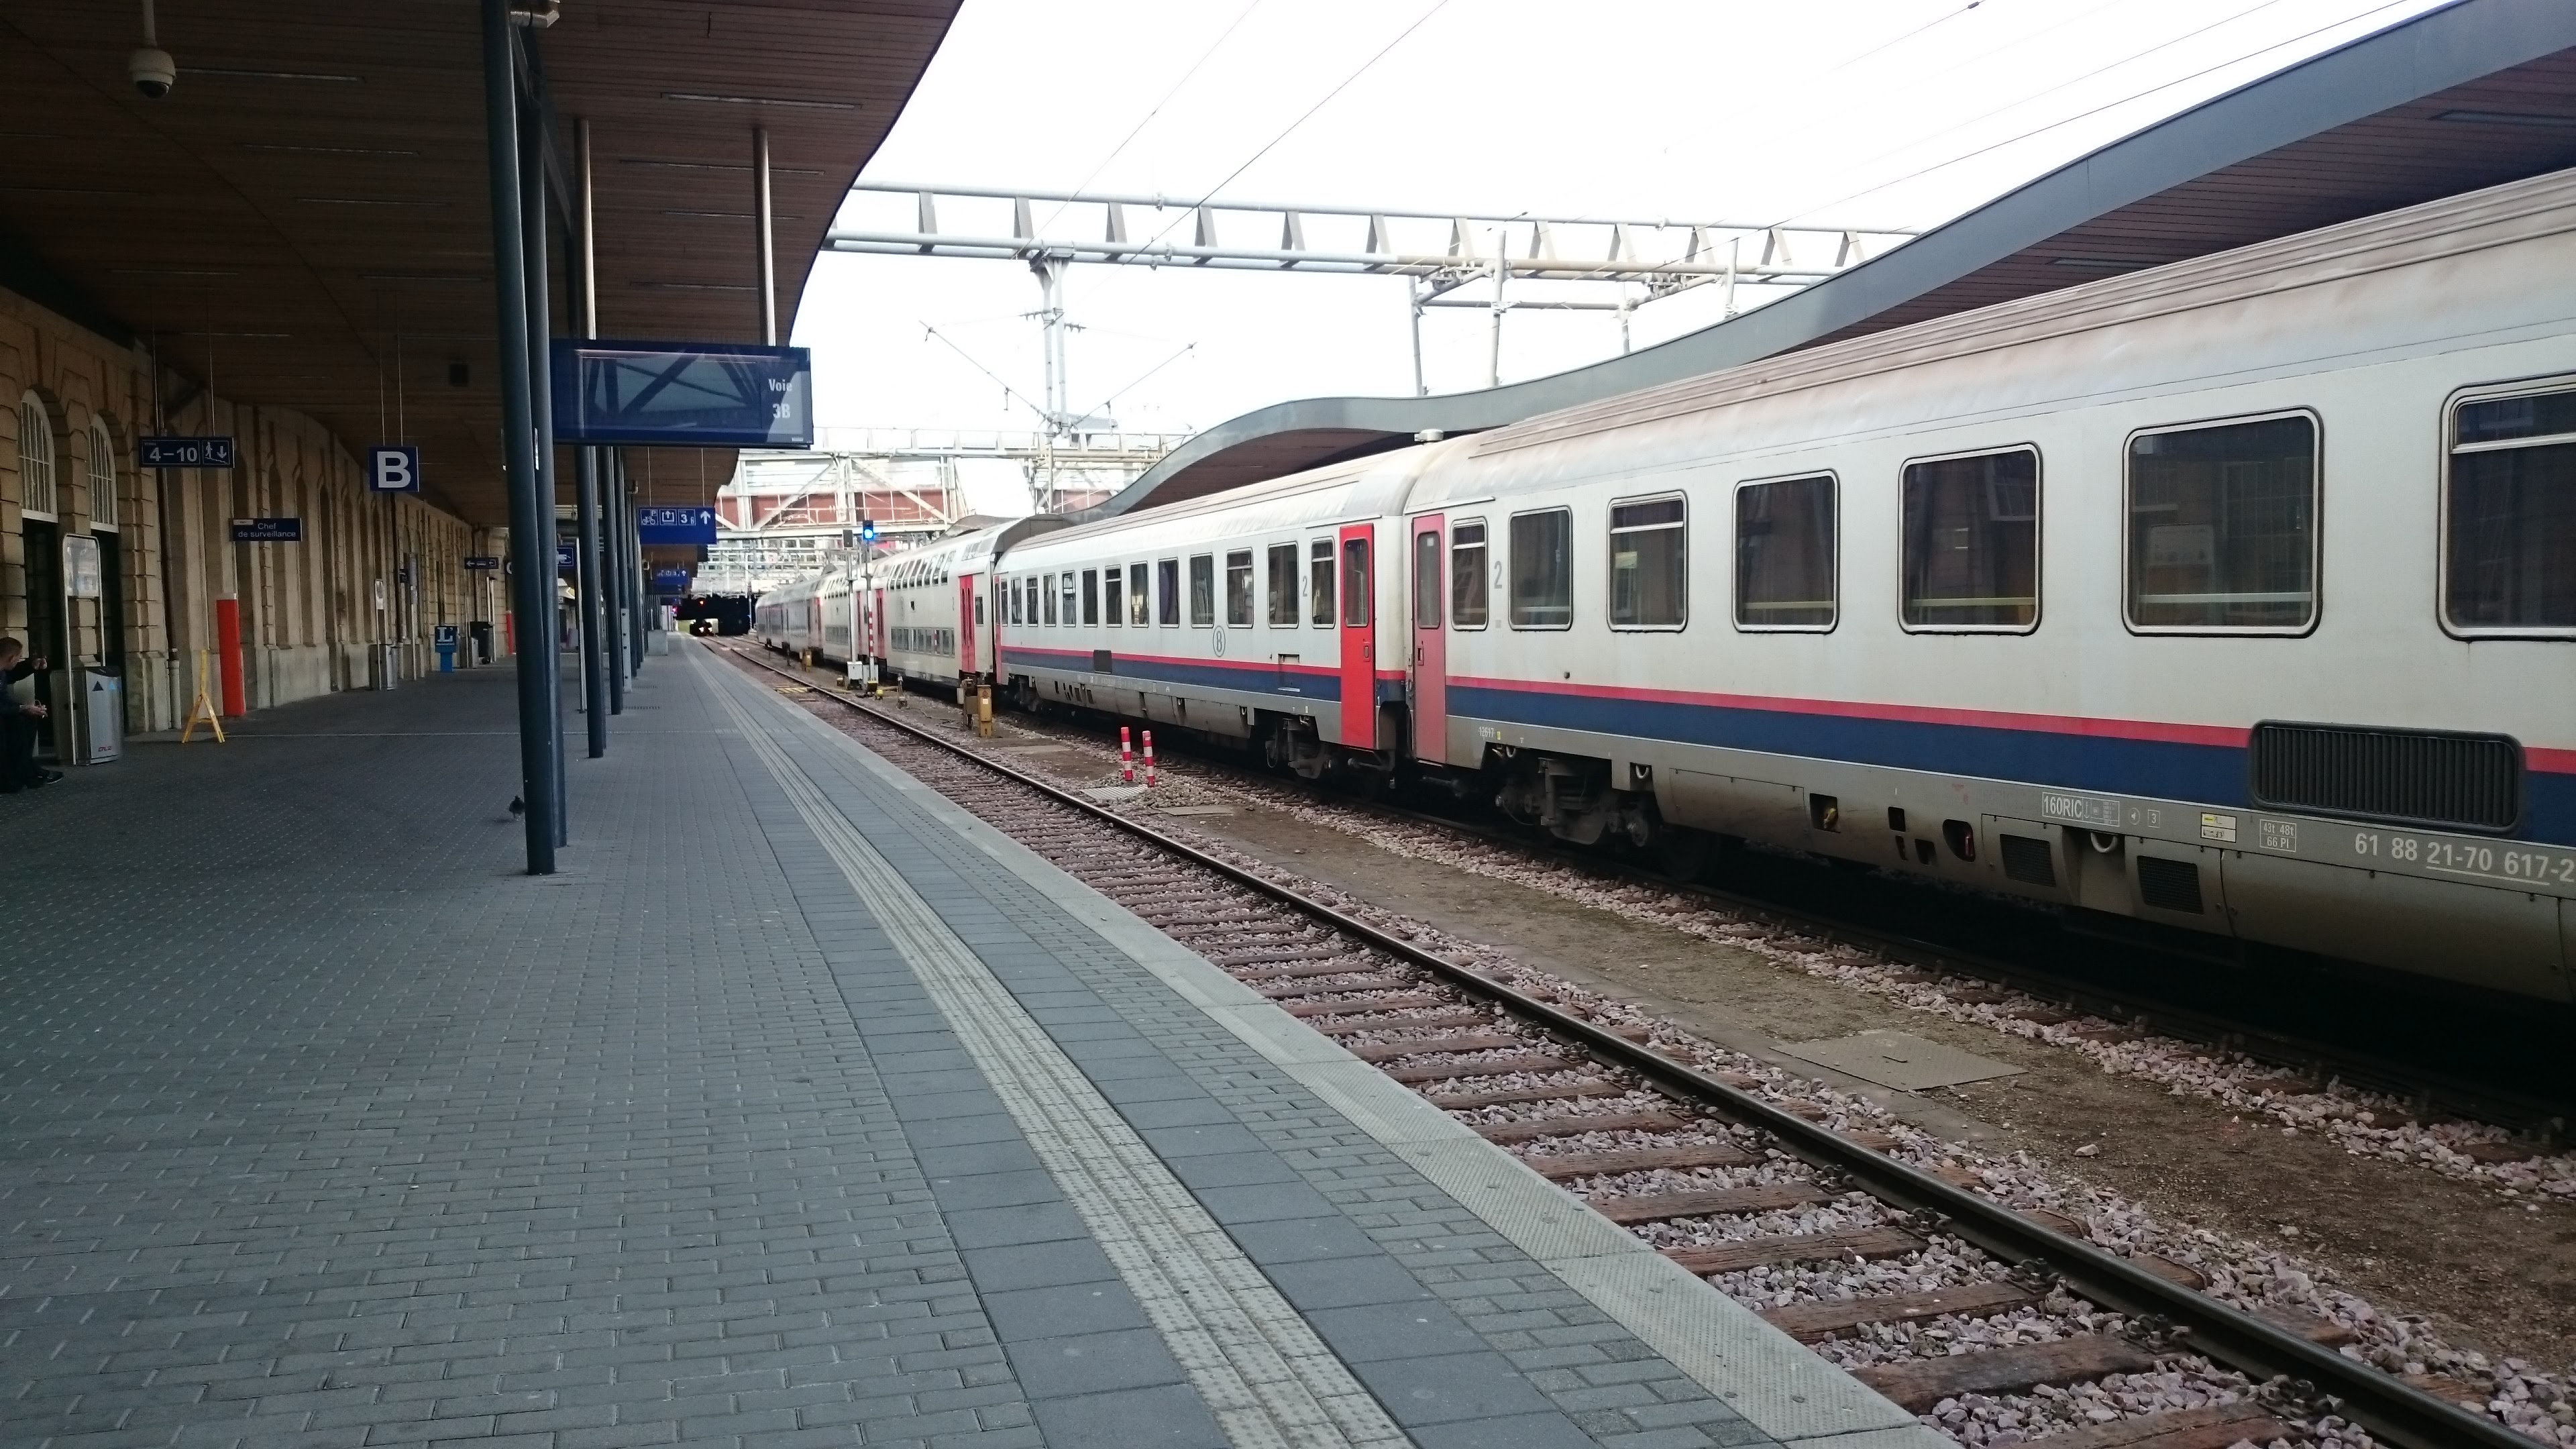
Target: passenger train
2236	595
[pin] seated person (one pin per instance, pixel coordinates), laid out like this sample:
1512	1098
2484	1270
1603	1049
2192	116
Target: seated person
21	716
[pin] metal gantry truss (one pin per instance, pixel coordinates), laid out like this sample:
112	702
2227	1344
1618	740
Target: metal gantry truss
787	513
1438	252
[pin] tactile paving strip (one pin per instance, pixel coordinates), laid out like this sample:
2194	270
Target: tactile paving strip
1254	1361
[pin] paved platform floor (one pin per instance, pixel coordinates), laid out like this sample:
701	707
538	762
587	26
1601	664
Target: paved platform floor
799	1109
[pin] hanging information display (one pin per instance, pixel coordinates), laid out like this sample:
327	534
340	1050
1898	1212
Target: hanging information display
683	394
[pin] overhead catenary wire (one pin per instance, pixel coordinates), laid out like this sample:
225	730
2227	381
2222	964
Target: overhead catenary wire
1157	108
1309	113
1918	142
1934	23
1013	393
2090	112
1138	381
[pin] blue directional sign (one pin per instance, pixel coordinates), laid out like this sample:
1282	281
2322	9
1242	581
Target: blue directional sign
183	452
268	530
670	581
694	523
393	468
482	562
683	394
567	557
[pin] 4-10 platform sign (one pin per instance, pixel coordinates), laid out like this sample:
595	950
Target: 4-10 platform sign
183	452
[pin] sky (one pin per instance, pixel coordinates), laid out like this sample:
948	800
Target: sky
1870	113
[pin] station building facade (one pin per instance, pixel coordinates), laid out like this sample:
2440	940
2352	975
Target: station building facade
370	571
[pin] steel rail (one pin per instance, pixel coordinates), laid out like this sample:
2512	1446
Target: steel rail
2435	1090
2388	1408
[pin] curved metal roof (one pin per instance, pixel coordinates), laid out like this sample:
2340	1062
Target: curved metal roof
2471	95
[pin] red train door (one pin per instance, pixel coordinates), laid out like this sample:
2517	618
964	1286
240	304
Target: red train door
1430	645
965	626
877	625
1359	637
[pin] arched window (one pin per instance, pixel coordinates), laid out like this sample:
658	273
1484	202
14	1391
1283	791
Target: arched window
102	477
35	458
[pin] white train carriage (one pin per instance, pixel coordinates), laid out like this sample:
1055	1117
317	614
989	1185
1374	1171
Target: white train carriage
827	612
1250	613
2235	595
937	603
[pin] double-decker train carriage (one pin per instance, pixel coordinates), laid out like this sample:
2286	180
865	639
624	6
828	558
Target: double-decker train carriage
2233	595
921	615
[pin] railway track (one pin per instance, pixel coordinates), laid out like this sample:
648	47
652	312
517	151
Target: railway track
2006	947
1763	1196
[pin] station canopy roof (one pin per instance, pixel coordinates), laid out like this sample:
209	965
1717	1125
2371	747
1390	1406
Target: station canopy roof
309	206
2475	94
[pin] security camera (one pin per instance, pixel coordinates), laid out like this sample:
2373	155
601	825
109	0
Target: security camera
152	71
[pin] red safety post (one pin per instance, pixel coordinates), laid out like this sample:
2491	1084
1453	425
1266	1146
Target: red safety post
1149	759
1126	759
228	655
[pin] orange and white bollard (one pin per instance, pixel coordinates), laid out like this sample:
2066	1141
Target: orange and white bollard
1126	759
1149	759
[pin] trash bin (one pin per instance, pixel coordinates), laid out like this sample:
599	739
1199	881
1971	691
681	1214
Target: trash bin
100	733
481	632
443	639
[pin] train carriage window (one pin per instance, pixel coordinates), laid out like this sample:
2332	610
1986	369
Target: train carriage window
1091	598
1049	586
1030	588
1649	565
2222	527
1203	591
1238	588
1467	574
1355	583
1784	554
1013	588
1111	603
1426	579
1543	570
1167	592
1283	585
1319	584
1140	603
1971	553
1065	582
2509	516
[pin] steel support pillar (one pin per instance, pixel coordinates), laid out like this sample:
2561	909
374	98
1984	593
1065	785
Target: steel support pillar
767	235
588	573
630	567
532	248
612	485
532	564
590	568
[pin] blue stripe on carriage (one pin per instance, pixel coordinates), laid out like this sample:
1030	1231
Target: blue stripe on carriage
2202	774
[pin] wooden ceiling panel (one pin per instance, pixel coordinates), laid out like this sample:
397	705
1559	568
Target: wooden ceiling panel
307	212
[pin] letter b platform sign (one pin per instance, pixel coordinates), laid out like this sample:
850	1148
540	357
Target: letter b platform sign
393	468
